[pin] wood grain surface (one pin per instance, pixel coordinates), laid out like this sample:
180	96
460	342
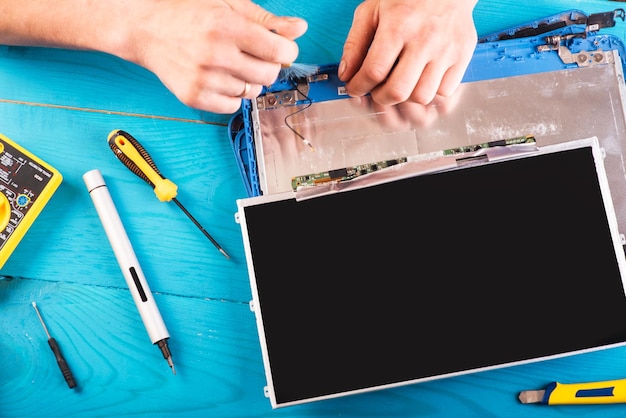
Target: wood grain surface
61	105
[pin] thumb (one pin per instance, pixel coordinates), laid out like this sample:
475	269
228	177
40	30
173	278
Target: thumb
289	27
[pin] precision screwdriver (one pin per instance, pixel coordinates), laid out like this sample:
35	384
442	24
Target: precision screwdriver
130	152
65	369
129	265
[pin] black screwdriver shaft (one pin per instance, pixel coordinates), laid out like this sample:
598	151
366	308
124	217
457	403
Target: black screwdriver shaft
65	369
204	231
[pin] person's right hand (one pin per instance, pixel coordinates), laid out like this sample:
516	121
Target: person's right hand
408	50
210	53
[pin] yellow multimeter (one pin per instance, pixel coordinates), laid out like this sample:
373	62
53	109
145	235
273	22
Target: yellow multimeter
26	185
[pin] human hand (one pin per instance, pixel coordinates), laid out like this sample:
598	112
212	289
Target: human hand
408	50
211	53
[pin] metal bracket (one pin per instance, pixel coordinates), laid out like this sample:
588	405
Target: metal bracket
582	58
284	98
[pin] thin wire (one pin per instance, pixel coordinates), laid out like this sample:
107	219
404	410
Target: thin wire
309	104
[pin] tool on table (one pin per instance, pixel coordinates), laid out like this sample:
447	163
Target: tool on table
130	152
65	369
26	185
605	392
127	260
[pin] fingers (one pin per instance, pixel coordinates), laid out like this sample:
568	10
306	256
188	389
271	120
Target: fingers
217	92
265	44
267	36
402	50
227	53
288	27
377	65
399	80
357	43
414	79
270	45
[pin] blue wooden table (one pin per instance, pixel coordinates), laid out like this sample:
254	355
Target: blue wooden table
61	105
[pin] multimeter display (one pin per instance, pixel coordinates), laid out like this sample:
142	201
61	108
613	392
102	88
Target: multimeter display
26	185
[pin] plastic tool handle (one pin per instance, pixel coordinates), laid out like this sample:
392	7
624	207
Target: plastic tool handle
125	255
65	369
605	392
130	152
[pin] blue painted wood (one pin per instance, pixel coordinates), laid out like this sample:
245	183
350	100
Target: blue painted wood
61	105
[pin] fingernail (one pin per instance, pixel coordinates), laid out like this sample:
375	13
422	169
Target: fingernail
342	68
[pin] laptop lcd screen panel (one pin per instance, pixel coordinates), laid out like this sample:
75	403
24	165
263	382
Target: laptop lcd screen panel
435	275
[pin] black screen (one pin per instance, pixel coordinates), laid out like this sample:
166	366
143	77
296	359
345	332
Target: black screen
436	274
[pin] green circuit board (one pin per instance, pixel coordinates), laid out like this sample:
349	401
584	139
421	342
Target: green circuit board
349	173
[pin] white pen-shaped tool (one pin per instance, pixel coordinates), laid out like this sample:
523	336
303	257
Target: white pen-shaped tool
127	260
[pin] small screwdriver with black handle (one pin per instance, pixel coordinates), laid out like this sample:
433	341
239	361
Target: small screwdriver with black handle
130	152
65	369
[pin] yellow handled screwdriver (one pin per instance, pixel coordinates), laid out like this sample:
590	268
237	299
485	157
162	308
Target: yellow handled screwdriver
130	152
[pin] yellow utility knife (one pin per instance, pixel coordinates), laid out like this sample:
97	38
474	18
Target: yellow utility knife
608	391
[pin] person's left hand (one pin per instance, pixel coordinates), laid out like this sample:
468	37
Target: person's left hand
408	50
